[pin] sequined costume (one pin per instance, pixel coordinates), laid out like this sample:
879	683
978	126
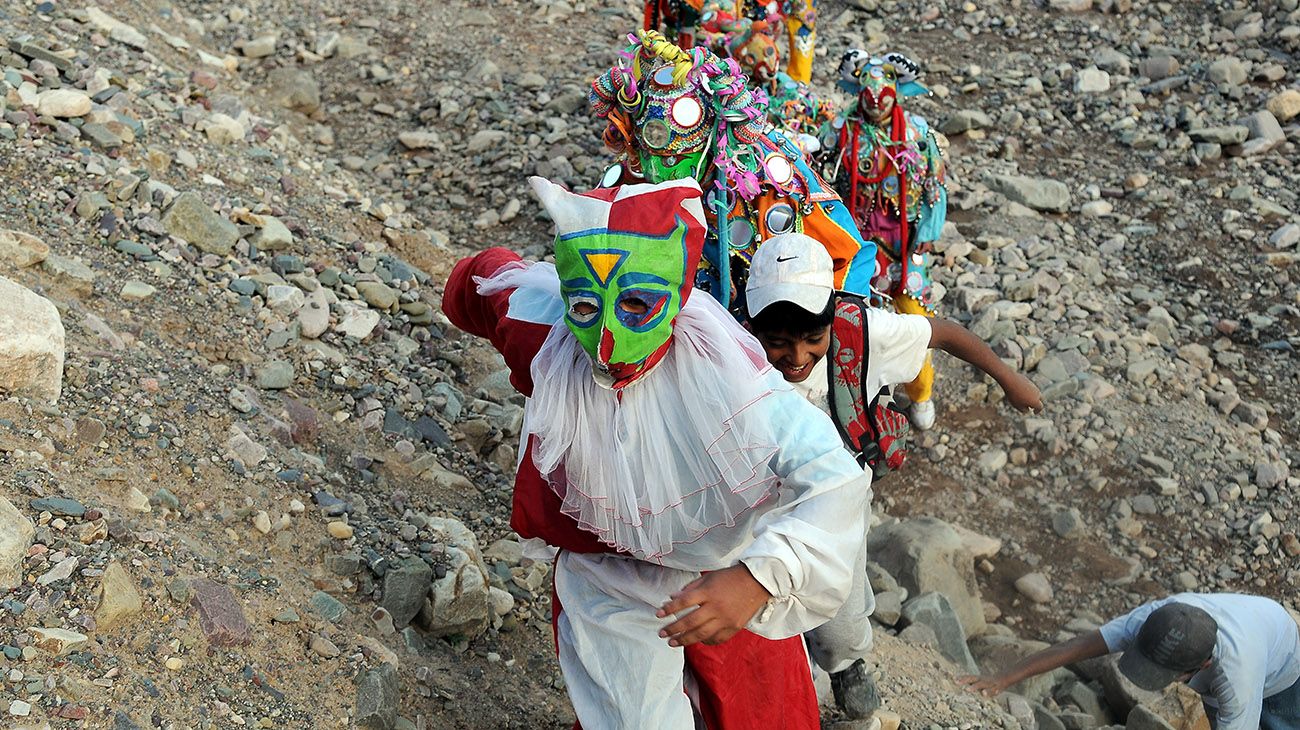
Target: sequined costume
890	170
675	113
743	29
887	164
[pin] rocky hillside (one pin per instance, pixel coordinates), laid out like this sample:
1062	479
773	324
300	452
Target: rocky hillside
273	489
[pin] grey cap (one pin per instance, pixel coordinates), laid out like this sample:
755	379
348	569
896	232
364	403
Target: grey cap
1175	639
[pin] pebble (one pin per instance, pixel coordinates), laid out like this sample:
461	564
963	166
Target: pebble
64	103
136	291
339	530
1035	587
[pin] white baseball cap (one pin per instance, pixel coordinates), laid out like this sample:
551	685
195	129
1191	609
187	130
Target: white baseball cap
791	267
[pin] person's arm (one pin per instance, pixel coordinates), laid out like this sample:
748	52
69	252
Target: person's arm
797	572
1085	646
959	342
492	316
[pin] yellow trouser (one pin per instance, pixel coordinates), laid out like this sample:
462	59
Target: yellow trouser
922	388
799	66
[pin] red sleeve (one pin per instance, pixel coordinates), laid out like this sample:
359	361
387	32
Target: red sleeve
487	316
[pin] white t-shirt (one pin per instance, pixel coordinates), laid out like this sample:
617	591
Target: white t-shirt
1257	653
897	345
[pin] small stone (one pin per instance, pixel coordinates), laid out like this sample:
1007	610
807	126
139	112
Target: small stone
72	274
965	120
192	220
275	375
324	647
22	249
273	235
1158	67
1285	237
378	295
406	586
220	614
18	708
339	530
327	607
294	88
63	103
136	291
1037	193
174	663
419	139
259	47
1227	135
59	506
992	461
1285	105
245	449
16	535
1227	70
119	602
1035	587
314	315
358	323
61	571
1068	523
31	344
262	522
58	642
136	501
1091	81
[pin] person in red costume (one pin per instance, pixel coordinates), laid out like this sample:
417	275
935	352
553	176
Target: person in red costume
704	514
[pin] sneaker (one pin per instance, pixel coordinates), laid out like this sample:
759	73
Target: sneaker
922	415
855	691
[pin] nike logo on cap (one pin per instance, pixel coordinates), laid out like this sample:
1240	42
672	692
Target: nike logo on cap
787	258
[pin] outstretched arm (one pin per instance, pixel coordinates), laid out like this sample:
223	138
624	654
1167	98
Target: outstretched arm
1085	646
959	342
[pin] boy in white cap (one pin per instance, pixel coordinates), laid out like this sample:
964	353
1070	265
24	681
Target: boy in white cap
798	317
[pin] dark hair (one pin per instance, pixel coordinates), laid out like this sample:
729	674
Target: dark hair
790	318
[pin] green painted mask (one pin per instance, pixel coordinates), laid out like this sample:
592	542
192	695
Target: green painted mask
657	169
626	257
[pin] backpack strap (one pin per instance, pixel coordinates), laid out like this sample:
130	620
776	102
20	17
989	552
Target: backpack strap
849	351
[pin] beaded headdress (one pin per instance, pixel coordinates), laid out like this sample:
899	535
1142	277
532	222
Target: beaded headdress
663	101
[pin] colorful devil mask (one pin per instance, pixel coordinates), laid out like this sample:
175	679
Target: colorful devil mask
878	81
626	257
676	113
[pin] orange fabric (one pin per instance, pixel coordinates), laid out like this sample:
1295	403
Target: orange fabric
839	243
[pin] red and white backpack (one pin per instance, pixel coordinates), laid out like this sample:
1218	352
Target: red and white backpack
871	425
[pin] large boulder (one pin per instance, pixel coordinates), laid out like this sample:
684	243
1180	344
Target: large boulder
927	554
16	535
378	694
31	344
934	610
459	603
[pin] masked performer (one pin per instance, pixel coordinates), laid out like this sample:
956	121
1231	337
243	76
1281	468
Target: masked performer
750	27
693	496
675	114
887	165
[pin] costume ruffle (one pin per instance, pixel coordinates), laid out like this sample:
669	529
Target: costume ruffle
666	460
